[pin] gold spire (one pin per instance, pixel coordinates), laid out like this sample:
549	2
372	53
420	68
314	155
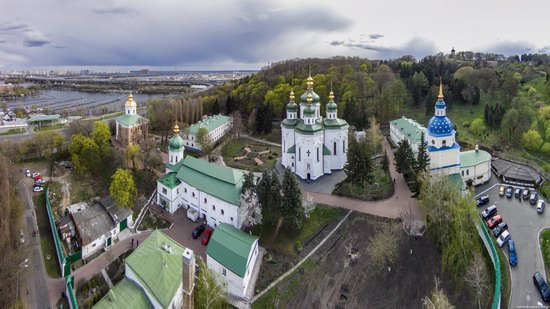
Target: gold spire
130	101
331	94
440	96
292	96
176	129
309	99
309	82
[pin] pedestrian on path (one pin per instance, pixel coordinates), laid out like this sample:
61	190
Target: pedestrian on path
132	242
137	243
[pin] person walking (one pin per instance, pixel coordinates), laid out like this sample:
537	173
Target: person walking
132	242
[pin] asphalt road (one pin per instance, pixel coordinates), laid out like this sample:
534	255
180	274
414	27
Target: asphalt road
524	224
33	287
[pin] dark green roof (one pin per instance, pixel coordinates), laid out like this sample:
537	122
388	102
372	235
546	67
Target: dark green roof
289	123
175	143
210	123
332	107
174	167
309	111
222	182
314	96
292	149
334	123
456	180
231	247
170	180
292	107
131	120
326	151
409	129
124	295
472	157
159	271
309	128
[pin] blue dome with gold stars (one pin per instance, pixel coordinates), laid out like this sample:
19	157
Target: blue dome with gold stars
440	125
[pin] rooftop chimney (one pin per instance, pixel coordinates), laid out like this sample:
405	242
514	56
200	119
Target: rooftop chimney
188	277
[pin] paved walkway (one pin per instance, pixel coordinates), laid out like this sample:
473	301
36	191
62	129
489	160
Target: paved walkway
259	140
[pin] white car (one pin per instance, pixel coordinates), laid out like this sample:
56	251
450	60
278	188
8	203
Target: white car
21	236
38	189
540	206
28	173
503	238
35	174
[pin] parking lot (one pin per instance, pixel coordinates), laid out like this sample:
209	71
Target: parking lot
524	225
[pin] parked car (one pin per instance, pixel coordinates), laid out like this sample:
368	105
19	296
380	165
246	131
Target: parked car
37	177
503	238
540	206
34	174
21	236
517	192
533	198
206	236
509	192
541	285
489	212
494	221
501	190
198	231
526	193
501	227
39	182
512	256
38	189
28	173
482	200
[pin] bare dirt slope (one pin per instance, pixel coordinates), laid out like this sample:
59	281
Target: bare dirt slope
336	281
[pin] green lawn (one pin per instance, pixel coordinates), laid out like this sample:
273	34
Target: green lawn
13	132
235	148
380	188
152	221
545	249
46	237
49	128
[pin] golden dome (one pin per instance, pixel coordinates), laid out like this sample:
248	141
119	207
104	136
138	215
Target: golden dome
291	96
440	96
130	102
176	129
309	82
331	96
309	99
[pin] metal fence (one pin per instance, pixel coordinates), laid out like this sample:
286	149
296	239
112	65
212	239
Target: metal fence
496	264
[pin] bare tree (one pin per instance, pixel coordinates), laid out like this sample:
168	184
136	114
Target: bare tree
250	210
237	125
383	248
210	291
409	218
477	278
438	299
308	204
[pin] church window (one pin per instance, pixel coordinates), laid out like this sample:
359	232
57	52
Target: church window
205	200
317	154
185	190
171	158
213	207
193	194
344	146
222	212
433	142
231	219
467	172
284	146
164	191
462	173
176	158
178	191
299	154
444	143
334	148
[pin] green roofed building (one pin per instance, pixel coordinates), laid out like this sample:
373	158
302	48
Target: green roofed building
199	187
217	126
157	276
405	128
232	254
130	127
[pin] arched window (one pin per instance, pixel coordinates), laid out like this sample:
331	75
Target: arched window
433	142
299	154
334	148
444	143
317	154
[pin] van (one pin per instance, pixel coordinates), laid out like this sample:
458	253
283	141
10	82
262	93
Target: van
489	212
482	200
192	214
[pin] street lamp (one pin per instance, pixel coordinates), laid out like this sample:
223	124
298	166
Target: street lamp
23	265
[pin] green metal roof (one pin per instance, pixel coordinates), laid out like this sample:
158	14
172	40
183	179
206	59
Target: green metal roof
326	151
331	107
408	129
231	247
124	295
334	123
174	167
309	128
170	180
175	143
456	180
292	107
472	157
44	118
131	120
222	182
309	111
211	123
292	149
289	123
158	271
315	96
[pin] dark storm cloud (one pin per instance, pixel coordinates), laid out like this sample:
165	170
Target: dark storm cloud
12	27
35	42
417	47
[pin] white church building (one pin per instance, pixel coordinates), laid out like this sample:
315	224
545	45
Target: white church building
313	145
446	159
203	188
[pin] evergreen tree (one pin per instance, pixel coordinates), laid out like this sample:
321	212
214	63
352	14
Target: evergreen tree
422	157
274	195
248	183
404	157
216	107
263	189
385	162
291	206
359	165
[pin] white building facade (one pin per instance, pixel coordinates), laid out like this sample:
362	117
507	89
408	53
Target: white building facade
313	145
217	126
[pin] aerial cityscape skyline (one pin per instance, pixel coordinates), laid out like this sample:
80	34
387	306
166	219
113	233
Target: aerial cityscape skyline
248	35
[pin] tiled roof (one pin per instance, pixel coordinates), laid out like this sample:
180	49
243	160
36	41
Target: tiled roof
231	247
159	271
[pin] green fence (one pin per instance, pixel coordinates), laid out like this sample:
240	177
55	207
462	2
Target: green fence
496	263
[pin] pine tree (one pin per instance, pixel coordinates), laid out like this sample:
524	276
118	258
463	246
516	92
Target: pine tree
248	183
291	206
385	162
263	189
274	195
216	107
422	157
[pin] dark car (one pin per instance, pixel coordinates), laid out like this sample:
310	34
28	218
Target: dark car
206	237
525	194
501	227
517	192
541	286
533	198
489	212
198	231
509	192
494	221
512	253
482	200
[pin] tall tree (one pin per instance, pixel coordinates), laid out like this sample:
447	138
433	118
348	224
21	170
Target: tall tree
291	205
204	140
385	162
101	135
263	189
250	210
422	157
123	188
248	182
210	291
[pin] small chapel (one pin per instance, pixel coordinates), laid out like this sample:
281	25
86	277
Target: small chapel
313	145
130	127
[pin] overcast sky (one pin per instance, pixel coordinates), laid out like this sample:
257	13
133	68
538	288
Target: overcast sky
248	34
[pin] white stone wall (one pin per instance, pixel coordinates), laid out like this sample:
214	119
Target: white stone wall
235	284
190	140
340	137
445	158
172	196
478	174
93	247
175	156
251	262
287	142
309	164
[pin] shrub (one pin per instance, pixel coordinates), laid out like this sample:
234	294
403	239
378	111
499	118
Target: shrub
298	246
270	157
274	153
466	124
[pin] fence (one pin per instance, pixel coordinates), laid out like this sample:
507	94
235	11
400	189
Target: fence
496	264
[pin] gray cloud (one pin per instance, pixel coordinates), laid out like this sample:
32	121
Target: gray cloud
115	10
12	27
375	36
508	48
35	39
417	47
3	41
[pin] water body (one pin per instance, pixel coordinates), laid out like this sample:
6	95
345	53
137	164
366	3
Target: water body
81	103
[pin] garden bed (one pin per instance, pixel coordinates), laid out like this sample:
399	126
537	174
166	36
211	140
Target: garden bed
152	221
249	155
380	188
88	293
